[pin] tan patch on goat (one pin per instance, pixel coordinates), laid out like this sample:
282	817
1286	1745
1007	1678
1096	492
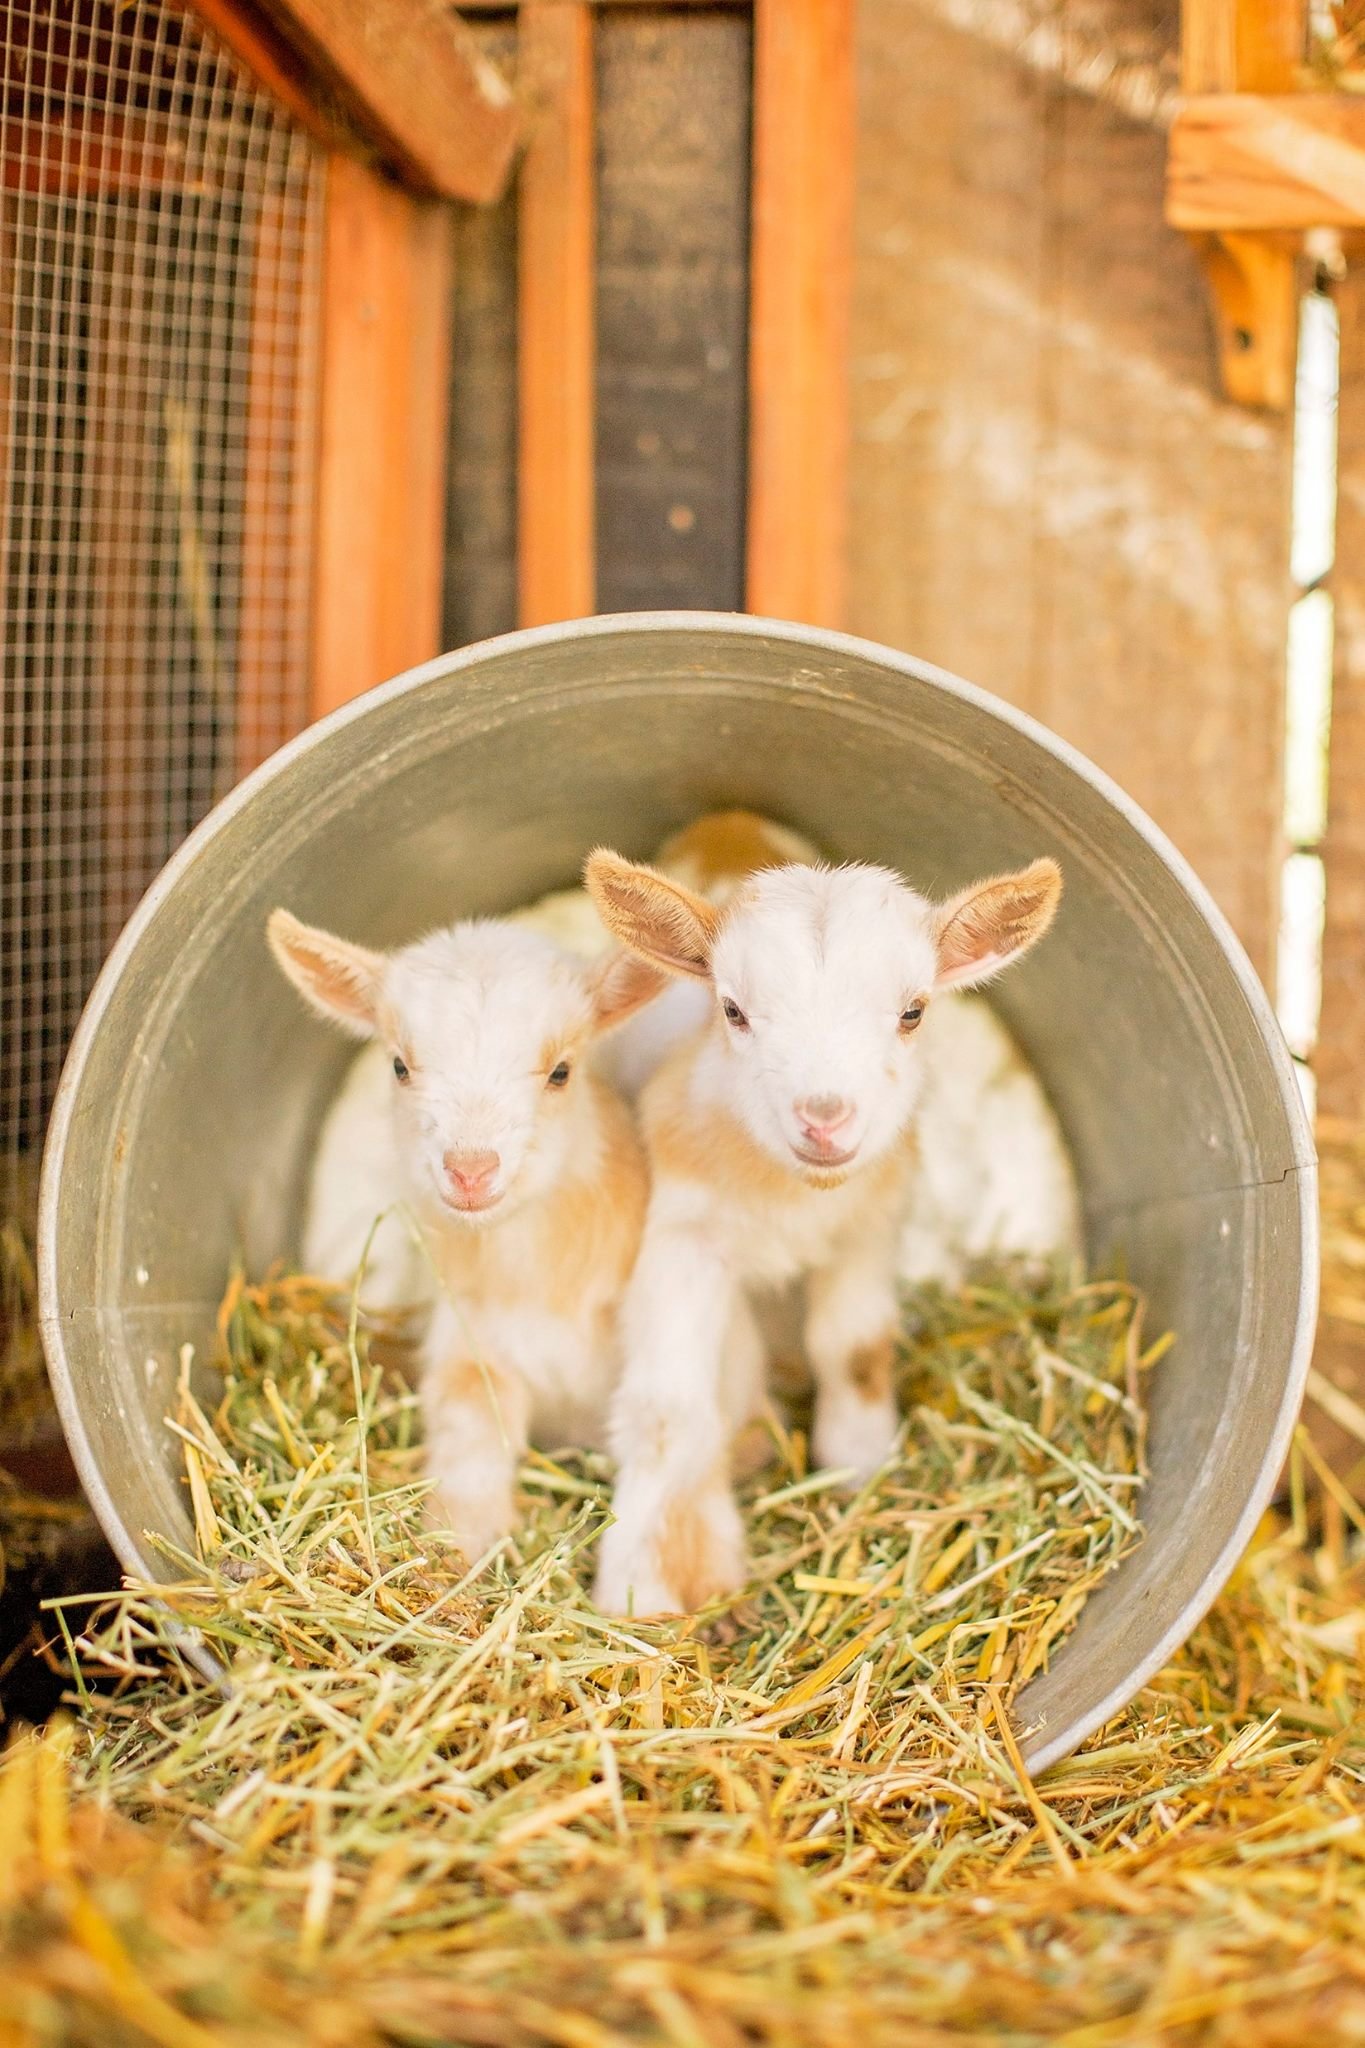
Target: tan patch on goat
623	985
651	914
1000	918
871	1368
711	1146
751	1450
592	1226
586	1234
725	846
688	1552
467	1383
707	1144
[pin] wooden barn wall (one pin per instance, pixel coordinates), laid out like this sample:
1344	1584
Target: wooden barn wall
1048	496
1340	1061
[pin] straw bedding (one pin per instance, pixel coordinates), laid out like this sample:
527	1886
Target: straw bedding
434	1809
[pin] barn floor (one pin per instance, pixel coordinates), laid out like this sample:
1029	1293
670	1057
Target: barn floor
795	1827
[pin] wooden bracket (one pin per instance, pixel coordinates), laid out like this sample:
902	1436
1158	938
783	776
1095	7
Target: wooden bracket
1252	280
1240	173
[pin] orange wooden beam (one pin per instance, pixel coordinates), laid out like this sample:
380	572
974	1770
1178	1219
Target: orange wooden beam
1231	48
385	368
804	134
1240	45
1243	162
274	619
103	153
556	299
404	74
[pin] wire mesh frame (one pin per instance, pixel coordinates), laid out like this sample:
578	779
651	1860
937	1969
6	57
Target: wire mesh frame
160	250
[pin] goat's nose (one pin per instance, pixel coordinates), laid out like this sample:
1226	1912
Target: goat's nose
471	1171
823	1116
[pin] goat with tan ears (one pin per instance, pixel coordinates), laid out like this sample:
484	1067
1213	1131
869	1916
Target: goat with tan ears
521	1170
781	1144
483	1112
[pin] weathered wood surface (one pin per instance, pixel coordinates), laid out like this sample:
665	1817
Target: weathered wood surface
1048	495
385	368
1273	161
805	148
556	291
1340	1061
672	306
404	76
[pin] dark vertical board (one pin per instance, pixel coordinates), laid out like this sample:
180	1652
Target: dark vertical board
673	96
481	489
1340	1058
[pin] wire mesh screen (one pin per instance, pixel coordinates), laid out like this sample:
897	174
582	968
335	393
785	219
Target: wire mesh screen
159	244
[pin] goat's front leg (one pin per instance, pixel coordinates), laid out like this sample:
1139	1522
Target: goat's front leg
476	1414
677	1538
852	1321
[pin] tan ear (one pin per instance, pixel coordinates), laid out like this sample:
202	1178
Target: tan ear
654	917
993	923
622	985
339	980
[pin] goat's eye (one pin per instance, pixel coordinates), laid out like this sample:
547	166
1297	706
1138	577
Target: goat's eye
734	1015
911	1017
558	1076
399	1070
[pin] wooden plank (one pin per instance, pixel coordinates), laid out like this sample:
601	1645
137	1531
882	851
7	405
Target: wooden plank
475	8
804	135
481	489
1339	1061
122	427
381	470
1339	1056
556	290
1254	286
1048	494
1257	47
408	75
278	493
1240	162
673	121
1241	45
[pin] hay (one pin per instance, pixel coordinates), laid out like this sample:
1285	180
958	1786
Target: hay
436	1809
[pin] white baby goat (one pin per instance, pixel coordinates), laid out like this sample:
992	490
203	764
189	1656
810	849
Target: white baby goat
521	1169
781	1144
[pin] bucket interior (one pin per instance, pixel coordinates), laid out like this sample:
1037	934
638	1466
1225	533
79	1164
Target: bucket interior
192	1100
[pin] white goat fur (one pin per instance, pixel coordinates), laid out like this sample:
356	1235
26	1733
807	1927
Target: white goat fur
522	1336
824	975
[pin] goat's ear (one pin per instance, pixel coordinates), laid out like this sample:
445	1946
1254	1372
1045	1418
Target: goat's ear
339	980
993	923
621	986
656	918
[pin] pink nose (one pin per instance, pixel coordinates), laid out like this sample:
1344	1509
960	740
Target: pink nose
471	1172
823	1116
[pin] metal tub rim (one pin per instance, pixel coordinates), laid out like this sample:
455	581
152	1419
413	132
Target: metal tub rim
814	643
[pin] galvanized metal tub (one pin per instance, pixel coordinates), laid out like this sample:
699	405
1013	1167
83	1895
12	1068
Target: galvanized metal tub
194	1088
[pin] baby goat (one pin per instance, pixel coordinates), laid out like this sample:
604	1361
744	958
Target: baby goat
521	1169
781	1145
